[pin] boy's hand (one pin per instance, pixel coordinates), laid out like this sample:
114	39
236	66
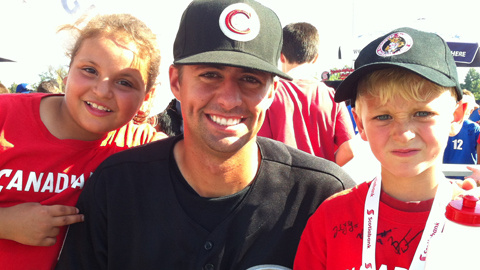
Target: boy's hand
475	174
35	224
467	186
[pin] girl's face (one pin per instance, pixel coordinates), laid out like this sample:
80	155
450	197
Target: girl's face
104	88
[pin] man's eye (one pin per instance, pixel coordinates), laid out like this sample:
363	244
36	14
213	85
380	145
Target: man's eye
251	79
209	75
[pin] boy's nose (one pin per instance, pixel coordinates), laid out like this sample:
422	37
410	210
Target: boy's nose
403	132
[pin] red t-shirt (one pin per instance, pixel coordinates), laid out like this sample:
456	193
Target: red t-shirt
305	116
333	236
35	166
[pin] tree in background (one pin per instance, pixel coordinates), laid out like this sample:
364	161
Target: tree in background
472	83
56	74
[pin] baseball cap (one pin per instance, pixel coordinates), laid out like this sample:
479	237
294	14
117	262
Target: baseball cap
423	53
23	88
238	33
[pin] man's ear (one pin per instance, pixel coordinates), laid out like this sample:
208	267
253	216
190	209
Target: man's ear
174	82
65	80
271	93
359	122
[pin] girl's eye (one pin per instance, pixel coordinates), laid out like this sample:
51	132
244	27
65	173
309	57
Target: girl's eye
383	117
423	114
125	83
90	70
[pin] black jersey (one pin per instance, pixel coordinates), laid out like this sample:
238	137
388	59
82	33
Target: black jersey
133	218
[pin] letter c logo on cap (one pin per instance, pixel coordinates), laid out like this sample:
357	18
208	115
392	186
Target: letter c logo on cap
239	22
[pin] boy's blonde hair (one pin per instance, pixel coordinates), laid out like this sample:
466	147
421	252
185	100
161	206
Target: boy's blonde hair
390	83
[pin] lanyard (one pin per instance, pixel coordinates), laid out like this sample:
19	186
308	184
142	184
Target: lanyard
436	220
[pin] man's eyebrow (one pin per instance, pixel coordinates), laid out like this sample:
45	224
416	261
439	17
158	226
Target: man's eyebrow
215	66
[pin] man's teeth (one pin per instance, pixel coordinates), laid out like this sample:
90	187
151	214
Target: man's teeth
224	121
99	107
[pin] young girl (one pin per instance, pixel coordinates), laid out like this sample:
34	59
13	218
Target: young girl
50	144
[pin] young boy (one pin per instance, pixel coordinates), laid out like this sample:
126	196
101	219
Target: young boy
406	91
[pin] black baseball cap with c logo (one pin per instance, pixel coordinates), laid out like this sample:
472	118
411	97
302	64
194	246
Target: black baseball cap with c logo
235	33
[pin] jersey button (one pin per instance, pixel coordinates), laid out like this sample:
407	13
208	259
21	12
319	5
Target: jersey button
208	245
209	266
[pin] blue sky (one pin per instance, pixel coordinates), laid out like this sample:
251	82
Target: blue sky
27	27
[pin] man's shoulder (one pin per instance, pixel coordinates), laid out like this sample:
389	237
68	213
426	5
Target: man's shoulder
284	155
149	152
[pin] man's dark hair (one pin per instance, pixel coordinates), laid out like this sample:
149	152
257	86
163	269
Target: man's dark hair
300	42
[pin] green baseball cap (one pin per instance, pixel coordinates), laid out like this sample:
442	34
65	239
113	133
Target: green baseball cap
242	34
423	53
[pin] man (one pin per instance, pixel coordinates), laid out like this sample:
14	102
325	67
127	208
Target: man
304	114
216	197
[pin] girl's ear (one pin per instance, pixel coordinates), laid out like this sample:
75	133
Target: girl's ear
360	127
150	94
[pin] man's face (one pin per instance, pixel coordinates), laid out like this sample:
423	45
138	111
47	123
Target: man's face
223	107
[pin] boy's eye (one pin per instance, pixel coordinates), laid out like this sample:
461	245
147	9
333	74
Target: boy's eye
383	117
423	114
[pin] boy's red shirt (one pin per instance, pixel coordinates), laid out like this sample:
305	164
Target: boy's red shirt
333	236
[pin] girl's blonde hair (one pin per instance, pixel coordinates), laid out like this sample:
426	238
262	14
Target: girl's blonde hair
390	83
127	28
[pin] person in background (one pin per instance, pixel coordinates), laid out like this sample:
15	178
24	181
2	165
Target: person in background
50	86
303	114
406	91
170	120
218	196
4	89
24	88
463	146
52	143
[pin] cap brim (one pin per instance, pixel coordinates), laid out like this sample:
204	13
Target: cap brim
348	88
234	59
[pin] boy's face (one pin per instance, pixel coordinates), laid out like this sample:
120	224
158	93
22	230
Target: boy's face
407	137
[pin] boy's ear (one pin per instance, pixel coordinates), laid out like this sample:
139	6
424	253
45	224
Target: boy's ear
65	80
459	112
360	127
